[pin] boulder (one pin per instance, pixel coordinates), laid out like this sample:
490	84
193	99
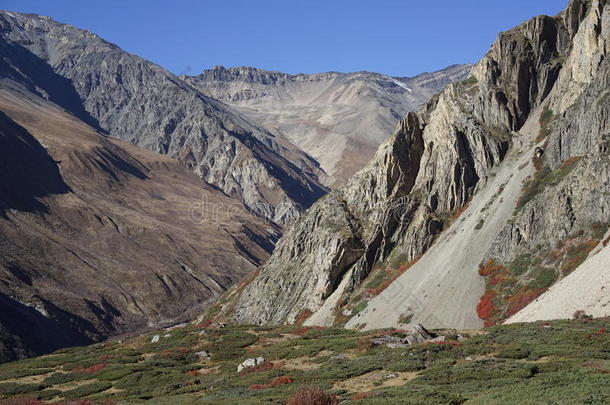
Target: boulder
249	363
203	355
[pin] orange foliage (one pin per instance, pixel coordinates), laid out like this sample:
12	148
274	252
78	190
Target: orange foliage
486	307
283	380
520	300
192	373
489	268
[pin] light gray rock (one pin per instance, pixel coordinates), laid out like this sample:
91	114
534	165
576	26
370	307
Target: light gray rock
203	355
416	334
155	339
249	363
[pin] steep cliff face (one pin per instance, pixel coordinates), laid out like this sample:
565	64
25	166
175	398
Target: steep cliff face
338	118
564	213
472	144
99	237
135	100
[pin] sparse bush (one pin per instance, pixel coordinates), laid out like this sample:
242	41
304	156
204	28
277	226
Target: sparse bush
312	396
581	315
86	390
546	118
545	177
514	351
543	278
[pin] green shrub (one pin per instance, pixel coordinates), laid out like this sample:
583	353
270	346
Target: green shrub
86	390
48	394
514	351
542	278
9	389
545	178
406	365
60	378
520	264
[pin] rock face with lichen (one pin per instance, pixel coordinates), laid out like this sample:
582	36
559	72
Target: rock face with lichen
137	101
442	157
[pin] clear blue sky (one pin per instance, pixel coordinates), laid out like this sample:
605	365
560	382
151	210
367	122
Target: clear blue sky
397	37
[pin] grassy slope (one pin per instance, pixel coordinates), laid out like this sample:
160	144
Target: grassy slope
561	362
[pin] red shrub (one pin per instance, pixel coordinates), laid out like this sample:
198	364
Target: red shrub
192	373
259	386
522	299
312	396
204	324
362	395
486	307
600	332
92	369
283	380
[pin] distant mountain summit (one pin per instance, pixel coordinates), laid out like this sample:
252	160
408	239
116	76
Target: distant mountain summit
338	118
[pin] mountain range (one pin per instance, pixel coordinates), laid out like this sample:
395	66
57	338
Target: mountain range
339	119
131	198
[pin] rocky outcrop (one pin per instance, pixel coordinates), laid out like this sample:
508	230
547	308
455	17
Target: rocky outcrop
338	118
564	213
140	102
439	158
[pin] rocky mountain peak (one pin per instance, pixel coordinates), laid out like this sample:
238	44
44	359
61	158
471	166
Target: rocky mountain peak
484	173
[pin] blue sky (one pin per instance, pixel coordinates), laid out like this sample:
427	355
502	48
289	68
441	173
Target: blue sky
400	38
